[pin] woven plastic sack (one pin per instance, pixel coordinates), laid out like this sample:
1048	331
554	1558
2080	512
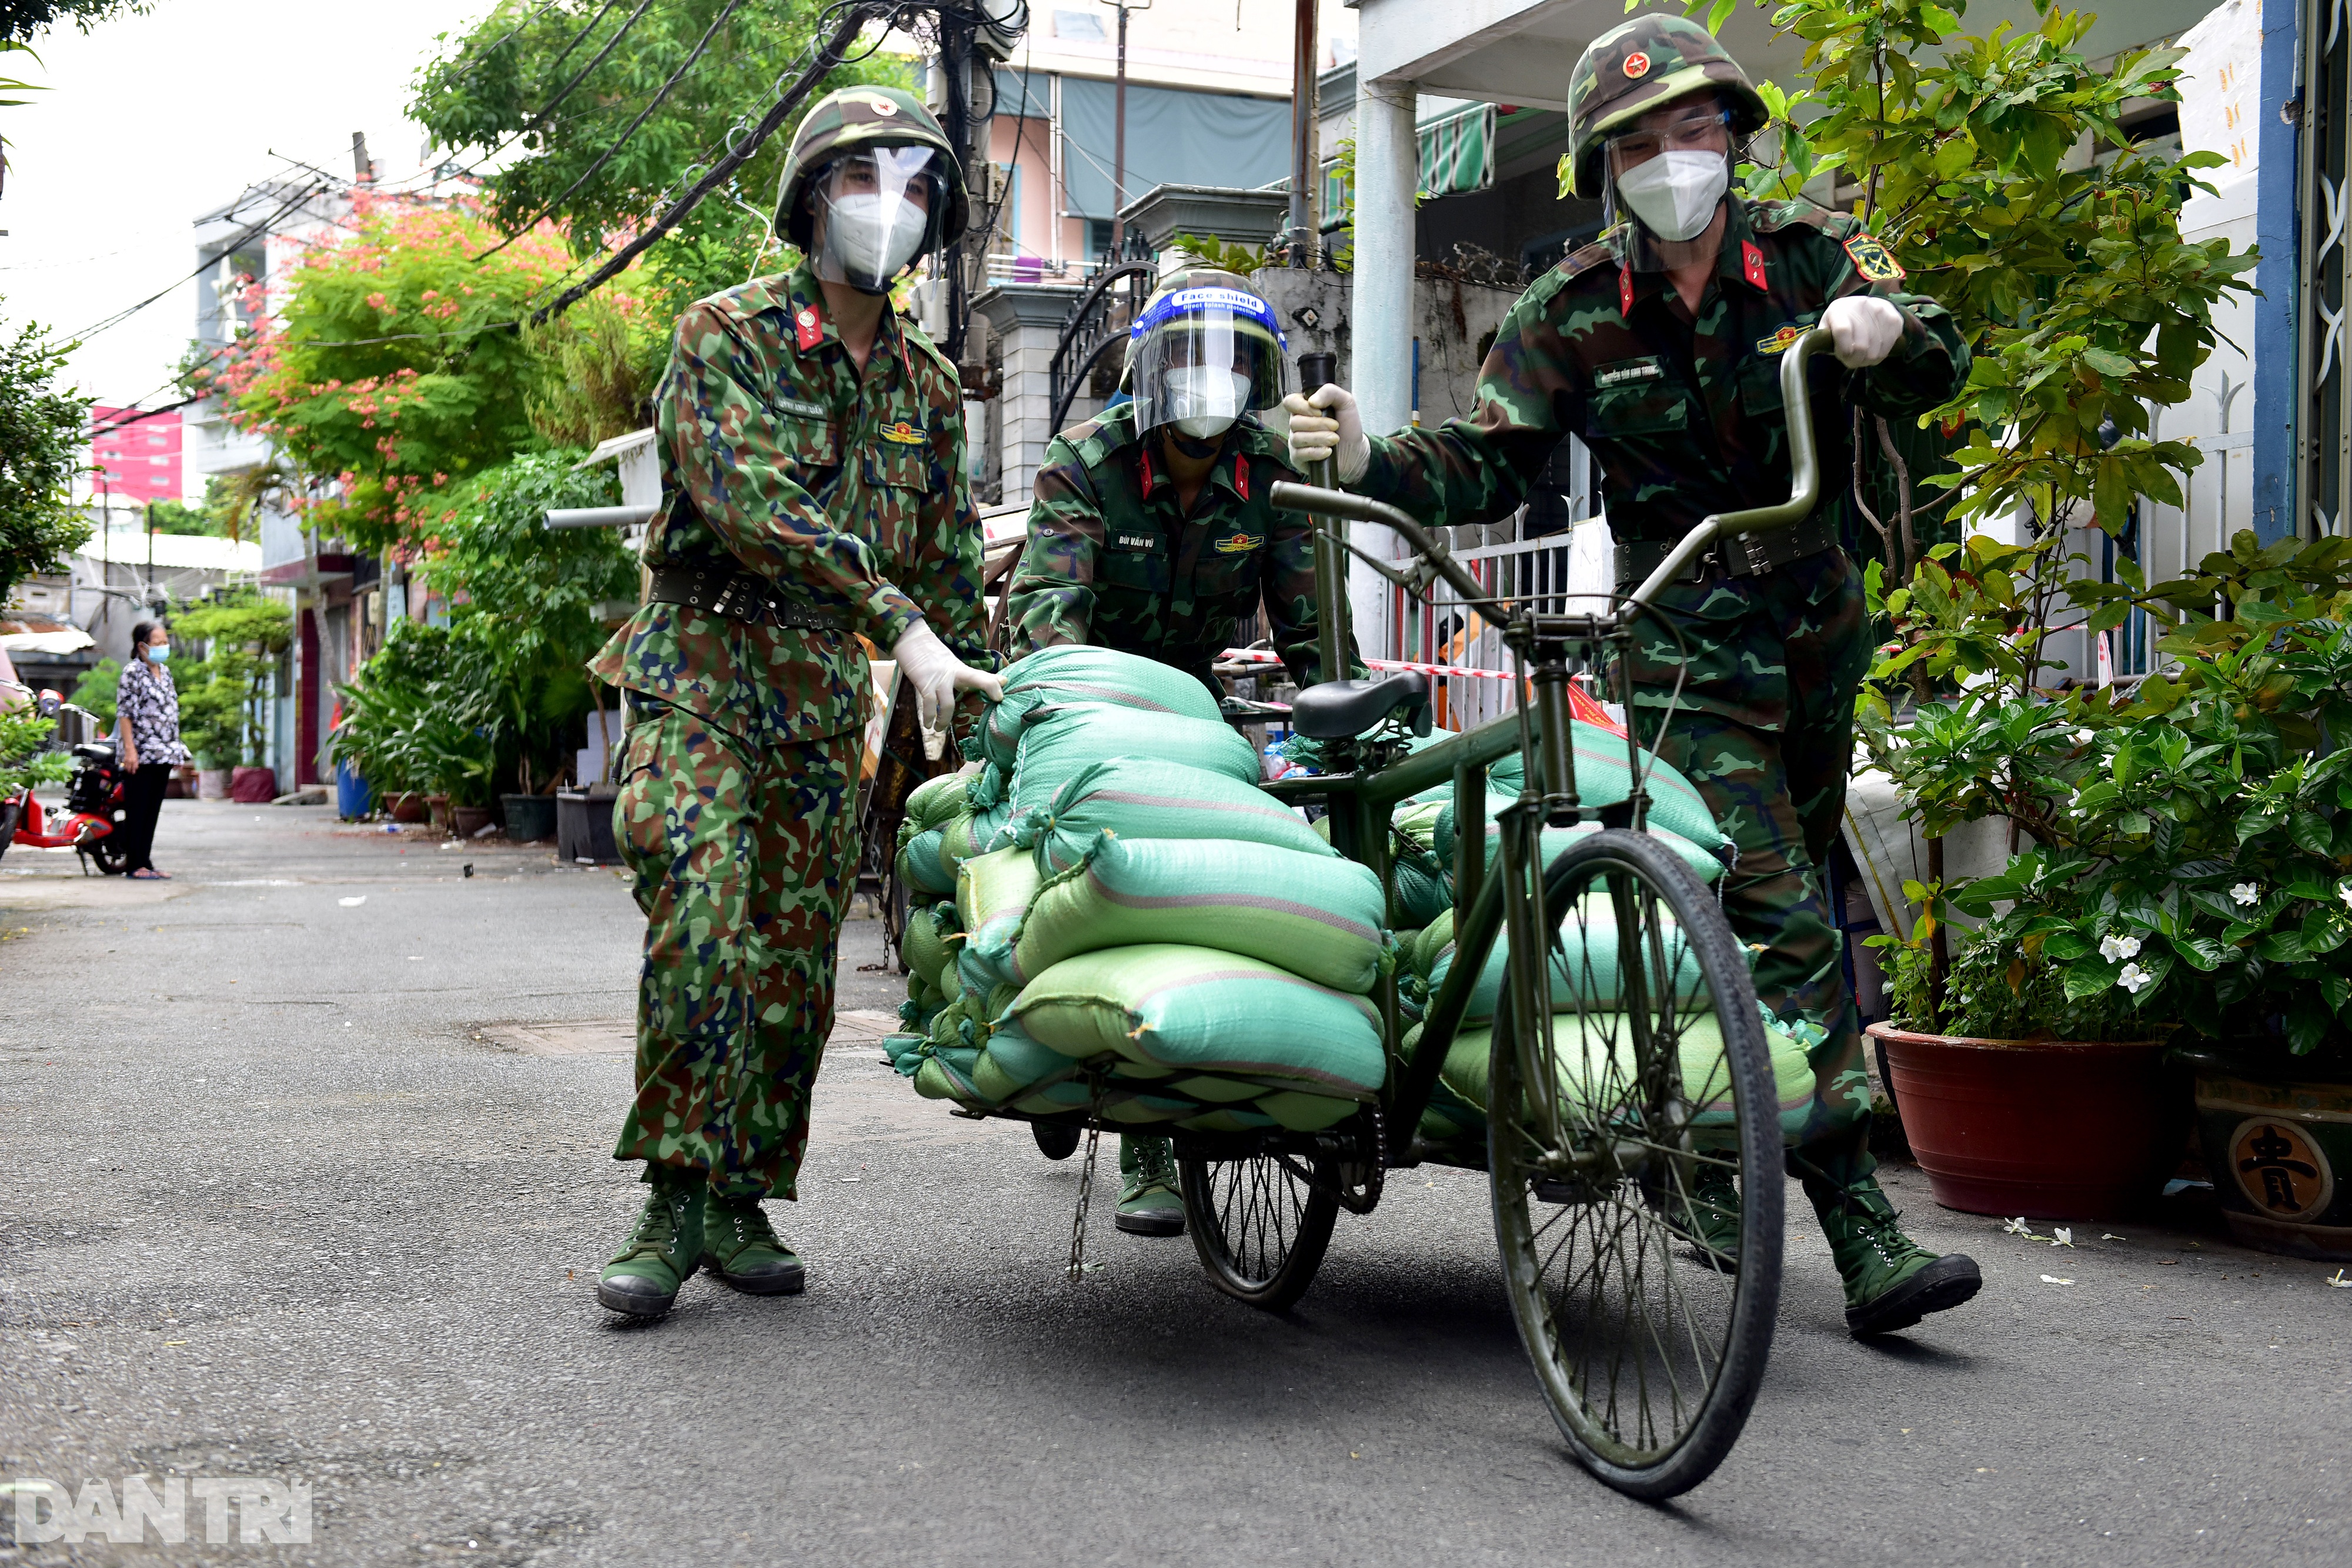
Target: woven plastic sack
920	866
1316	915
1583	971
1195	1009
1589	1055
1138	799
993	892
923	944
969	834
1603	780
1068	740
1077	674
934	800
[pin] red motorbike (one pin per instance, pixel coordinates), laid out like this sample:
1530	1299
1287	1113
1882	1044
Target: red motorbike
94	801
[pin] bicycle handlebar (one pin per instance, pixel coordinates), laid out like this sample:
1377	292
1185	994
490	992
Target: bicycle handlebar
1804	491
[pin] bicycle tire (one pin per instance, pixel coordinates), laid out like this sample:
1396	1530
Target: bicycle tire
1261	1225
1056	1140
1621	1334
111	857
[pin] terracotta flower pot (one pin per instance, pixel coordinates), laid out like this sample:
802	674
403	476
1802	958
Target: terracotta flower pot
470	820
439	805
2279	1143
2048	1129
252	786
406	806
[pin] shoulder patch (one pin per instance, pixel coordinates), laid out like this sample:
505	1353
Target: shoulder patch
1583	258
1873	260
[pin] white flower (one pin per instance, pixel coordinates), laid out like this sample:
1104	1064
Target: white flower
2246	893
2134	979
2113	947
2018	1227
2344	892
2084	737
2111	1236
2060	1236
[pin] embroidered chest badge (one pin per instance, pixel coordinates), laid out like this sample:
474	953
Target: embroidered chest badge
902	434
1240	544
1778	341
1873	260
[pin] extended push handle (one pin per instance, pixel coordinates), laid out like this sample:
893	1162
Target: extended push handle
1804	477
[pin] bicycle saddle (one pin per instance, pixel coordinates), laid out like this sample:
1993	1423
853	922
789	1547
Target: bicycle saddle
1342	710
94	750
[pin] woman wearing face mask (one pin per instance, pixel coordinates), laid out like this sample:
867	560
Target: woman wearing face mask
147	723
1659	344
1149	532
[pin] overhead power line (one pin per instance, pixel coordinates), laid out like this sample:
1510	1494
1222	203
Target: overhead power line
593	170
128	311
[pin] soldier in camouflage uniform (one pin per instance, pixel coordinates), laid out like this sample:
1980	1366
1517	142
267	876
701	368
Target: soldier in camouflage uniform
812	468
1658	346
1149	532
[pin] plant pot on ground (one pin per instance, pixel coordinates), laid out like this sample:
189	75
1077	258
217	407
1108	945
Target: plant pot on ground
212	783
438	808
530	818
468	820
408	806
584	827
2278	1141
252	786
2046	1128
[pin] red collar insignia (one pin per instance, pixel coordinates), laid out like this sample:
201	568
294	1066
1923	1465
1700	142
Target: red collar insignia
1241	476
1144	454
1751	258
1624	288
808	328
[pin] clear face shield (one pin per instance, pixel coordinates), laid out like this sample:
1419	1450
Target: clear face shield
1204	357
1670	178
876	211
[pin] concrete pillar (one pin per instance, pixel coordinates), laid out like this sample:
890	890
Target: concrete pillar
1388	176
1027	319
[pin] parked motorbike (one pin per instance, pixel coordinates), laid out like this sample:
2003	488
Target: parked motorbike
95	801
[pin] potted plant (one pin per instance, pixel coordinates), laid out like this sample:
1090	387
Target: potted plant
242	634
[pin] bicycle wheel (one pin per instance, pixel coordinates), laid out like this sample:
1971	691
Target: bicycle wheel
1261	1225
1603	1115
1055	1140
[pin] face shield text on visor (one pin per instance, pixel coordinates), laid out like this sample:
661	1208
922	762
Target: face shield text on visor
876	212
1204	357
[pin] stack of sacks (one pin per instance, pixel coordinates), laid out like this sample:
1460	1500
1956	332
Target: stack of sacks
1584	971
1141	915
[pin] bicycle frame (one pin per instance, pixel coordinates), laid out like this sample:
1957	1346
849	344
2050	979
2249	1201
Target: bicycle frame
1360	801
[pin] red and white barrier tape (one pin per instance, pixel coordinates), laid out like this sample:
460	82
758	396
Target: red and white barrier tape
1260	656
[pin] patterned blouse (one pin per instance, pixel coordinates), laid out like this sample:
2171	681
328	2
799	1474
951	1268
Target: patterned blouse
147	701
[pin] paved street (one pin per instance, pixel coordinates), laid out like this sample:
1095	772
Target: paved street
310	1151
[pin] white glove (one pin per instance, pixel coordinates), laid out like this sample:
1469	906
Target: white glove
1864	329
937	675
1316	434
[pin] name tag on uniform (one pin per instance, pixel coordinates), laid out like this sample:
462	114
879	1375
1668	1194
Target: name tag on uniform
794	405
1134	541
1625	370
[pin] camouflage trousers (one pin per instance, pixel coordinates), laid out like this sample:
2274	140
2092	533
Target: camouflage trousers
1764	730
743	856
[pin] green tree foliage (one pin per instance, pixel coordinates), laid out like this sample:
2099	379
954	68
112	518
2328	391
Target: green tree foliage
25	756
224	709
95	691
496	699
396	367
42	437
20	20
503	81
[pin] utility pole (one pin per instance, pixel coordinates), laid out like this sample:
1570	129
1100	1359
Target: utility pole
1119	140
955	73
1306	150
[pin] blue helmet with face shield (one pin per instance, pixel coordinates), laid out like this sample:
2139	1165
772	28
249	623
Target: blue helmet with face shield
1206	350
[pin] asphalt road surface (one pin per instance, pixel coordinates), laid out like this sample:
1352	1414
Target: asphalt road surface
310	1178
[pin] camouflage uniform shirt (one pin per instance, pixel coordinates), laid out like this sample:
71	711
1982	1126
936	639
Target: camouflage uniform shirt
1682	412
1113	561
846	490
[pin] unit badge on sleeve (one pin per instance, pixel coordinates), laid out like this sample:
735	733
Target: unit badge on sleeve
1873	260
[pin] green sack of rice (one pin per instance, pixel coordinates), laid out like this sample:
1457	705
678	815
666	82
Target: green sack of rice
923	943
1595	1057
1198	1010
1138	799
1602	779
934	800
1071	740
920	866
1316	915
946	1074
993	892
1583	967
1435	937
1073	672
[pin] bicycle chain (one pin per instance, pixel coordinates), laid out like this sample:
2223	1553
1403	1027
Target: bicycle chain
1086	1189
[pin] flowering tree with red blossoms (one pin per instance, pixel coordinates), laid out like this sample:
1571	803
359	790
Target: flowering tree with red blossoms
395	365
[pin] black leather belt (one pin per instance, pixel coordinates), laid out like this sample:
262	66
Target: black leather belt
725	589
1747	555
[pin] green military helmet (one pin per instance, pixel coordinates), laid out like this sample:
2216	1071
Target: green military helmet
861	119
1636	67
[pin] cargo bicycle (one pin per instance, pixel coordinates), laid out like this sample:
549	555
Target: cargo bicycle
1618	1066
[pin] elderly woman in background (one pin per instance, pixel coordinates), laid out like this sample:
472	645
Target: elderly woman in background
147	723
